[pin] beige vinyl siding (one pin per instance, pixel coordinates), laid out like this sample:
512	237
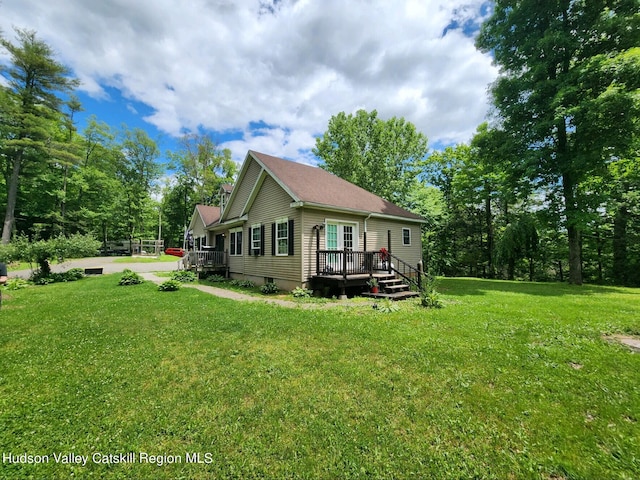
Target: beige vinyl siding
319	217
376	237
197	227
244	190
272	203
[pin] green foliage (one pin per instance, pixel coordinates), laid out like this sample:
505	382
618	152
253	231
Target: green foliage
568	94
429	296
383	157
169	286
269	288
215	278
242	283
29	105
74	274
39	277
300	292
129	277
41	252
184	276
386	306
8	253
16	283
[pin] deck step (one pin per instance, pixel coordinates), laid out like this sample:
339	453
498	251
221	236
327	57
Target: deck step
392	296
395	288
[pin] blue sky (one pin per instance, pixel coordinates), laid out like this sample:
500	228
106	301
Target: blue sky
268	74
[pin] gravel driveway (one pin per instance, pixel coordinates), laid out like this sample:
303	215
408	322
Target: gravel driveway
108	264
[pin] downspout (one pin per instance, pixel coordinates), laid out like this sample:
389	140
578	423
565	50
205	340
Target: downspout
364	236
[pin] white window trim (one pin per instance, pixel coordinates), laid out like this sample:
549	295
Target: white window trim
280	221
408	230
339	223
256	227
237	254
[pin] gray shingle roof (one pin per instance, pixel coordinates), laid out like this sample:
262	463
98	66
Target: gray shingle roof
208	214
316	186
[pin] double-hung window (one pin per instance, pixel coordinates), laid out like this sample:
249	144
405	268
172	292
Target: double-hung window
406	237
256	237
282	237
235	242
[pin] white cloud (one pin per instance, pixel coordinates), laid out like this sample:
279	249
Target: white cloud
222	64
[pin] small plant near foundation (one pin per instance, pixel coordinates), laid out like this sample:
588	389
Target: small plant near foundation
215	278
242	283
299	292
269	288
184	276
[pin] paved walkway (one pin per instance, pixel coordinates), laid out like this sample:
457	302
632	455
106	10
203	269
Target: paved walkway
232	295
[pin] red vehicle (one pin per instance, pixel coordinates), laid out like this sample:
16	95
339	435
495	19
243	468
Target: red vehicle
176	252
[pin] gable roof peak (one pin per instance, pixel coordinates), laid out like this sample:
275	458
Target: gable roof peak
316	186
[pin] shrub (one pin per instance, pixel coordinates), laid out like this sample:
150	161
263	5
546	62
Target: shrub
243	283
215	278
299	292
43	251
16	284
169	286
73	274
269	288
130	277
429	297
184	276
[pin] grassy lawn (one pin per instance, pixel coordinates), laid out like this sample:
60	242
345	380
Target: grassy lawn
161	258
510	380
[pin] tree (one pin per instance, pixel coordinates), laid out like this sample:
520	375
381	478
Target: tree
383	157
34	80
205	167
138	171
568	89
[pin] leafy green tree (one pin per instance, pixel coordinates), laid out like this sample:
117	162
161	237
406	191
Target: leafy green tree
34	79
138	172
568	90
383	157
203	166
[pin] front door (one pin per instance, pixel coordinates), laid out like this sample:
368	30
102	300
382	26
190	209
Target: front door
219	245
341	236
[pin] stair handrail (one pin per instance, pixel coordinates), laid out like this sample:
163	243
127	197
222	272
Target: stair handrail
416	280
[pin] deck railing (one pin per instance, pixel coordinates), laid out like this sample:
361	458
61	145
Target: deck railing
348	262
206	259
352	262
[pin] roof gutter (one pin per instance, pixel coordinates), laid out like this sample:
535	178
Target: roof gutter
366	213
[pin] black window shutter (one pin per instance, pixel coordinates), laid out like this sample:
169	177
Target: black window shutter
273	239
262	239
291	237
249	241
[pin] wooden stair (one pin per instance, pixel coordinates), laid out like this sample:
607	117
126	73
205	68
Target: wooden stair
392	288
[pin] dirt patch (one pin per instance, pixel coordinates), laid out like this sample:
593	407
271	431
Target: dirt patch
628	340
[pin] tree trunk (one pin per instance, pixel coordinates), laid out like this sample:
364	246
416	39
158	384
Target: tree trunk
620	245
12	197
573	232
489	223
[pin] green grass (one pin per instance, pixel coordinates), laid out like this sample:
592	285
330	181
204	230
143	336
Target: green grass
161	258
509	380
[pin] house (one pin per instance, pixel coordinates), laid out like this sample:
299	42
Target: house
298	225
